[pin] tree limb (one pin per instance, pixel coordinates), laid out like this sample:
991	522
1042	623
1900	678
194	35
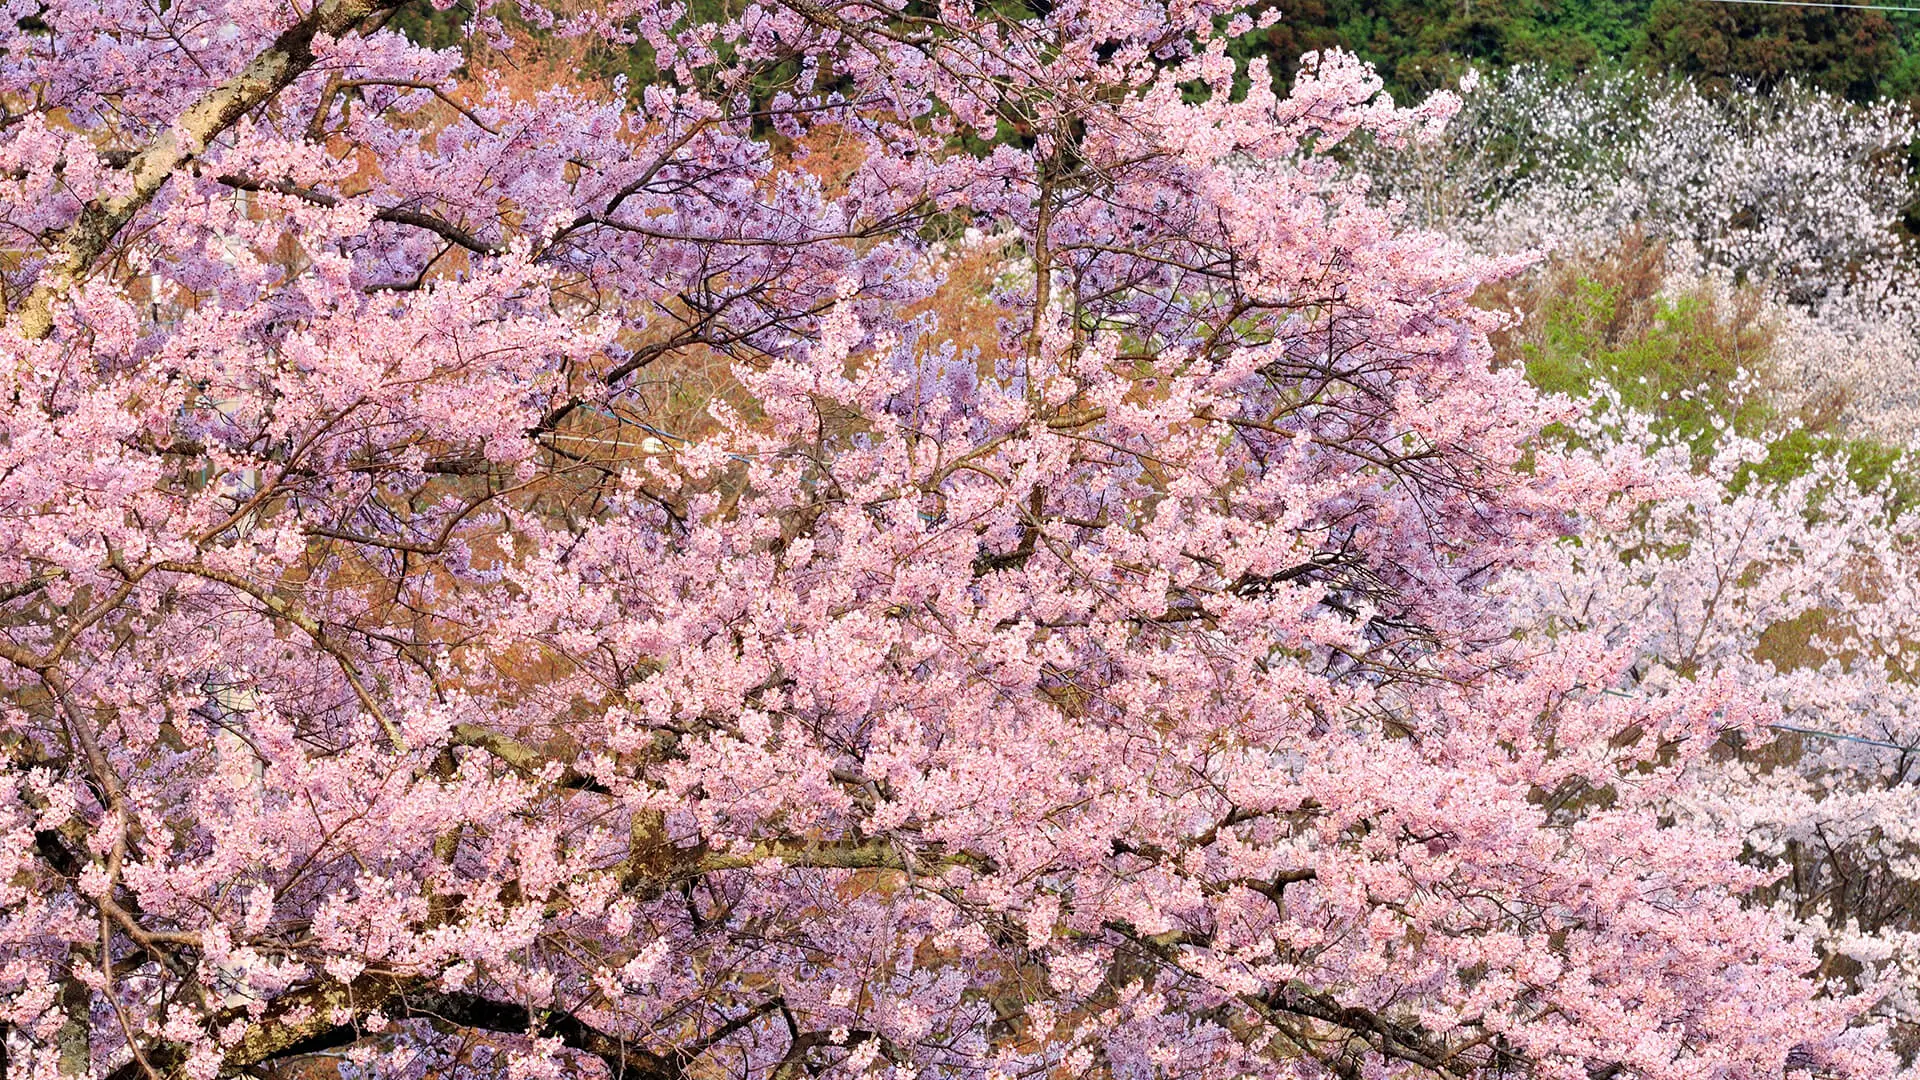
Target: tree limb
290	55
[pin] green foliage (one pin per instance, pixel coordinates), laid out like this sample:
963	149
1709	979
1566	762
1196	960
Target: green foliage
1871	465
1674	366
1421	45
431	27
1682	363
1861	54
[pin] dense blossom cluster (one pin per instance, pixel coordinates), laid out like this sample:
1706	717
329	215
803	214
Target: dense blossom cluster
1791	185
1794	190
1803	591
1152	691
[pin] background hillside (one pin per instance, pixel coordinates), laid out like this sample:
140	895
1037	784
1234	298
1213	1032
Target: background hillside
1422	44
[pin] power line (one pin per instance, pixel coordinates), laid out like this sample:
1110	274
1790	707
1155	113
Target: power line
1797	730
1837	735
1815	4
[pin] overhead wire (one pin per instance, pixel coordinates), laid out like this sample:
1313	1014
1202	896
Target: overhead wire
1815	4
1794	728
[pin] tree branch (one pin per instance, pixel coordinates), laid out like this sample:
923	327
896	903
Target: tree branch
290	55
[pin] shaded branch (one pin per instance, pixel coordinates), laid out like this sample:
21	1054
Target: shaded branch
290	55
520	756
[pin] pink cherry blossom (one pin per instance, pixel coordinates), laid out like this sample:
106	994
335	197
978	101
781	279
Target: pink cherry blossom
1144	692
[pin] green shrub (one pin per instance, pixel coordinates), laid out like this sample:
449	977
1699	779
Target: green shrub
1695	363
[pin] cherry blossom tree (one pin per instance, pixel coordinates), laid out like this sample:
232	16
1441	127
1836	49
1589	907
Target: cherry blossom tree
1139	693
1803	590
